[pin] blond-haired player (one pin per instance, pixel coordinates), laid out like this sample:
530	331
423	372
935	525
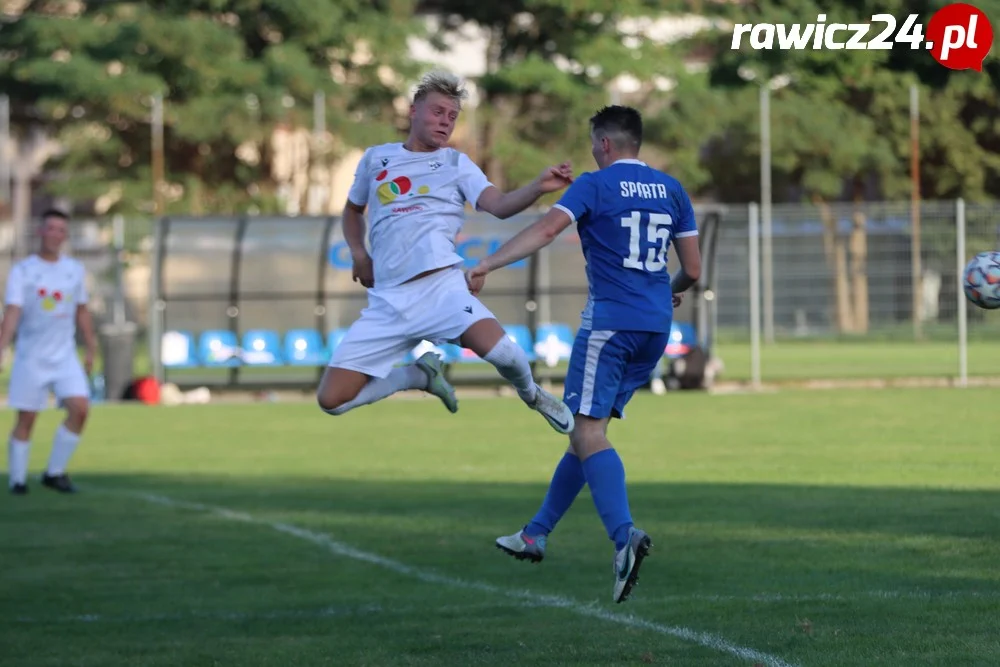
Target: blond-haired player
415	193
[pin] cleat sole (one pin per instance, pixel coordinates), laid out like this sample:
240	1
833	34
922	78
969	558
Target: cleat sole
645	544
520	555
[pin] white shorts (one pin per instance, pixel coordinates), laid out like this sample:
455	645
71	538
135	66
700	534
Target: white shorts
30	384
437	308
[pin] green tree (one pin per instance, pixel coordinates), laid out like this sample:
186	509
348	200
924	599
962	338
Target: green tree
840	127
229	72
550	66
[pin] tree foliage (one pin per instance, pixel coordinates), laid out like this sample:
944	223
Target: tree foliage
233	71
229	73
841	124
550	66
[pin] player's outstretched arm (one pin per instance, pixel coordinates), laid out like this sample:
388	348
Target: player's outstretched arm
11	317
690	258
505	204
527	242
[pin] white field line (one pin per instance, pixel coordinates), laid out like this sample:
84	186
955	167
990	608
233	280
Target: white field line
525	597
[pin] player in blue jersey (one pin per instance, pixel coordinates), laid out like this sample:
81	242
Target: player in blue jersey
627	215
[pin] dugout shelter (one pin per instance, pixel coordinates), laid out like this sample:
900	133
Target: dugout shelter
261	302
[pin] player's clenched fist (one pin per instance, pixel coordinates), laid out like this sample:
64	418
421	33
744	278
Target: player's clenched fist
555	178
362	270
476	278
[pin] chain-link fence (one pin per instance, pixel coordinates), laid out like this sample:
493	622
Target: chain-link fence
841	296
262	300
839	293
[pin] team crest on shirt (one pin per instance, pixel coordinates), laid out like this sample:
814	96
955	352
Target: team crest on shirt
401	186
385	161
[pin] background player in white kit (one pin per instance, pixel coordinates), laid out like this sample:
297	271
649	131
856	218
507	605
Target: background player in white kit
46	301
416	192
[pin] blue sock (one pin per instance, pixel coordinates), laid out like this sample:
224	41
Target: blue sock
567	481
606	478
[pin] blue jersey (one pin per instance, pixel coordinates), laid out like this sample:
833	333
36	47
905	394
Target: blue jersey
627	214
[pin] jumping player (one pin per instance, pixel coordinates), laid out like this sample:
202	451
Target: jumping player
416	193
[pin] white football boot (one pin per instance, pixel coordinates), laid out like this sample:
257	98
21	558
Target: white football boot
627	562
556	413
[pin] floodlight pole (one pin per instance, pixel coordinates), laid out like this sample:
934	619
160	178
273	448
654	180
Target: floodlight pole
767	274
157	154
963	303
5	156
915	240
754	262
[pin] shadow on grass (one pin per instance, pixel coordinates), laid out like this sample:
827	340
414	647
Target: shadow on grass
846	557
717	538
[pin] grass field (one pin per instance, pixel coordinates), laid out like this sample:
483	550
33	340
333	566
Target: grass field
817	360
791	528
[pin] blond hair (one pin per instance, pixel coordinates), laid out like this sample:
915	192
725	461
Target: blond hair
444	83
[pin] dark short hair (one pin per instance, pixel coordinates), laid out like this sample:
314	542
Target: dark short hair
621	124
55	213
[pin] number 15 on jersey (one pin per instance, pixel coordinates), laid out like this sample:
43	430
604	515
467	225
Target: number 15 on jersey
656	228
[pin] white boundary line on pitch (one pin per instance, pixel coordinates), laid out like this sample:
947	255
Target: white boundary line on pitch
705	639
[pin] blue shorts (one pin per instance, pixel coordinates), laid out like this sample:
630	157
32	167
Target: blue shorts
606	367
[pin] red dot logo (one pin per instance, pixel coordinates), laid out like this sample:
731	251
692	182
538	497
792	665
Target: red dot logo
42	292
960	36
382	174
57	295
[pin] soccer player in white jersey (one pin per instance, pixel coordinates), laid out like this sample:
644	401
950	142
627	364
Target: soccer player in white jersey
46	302
416	193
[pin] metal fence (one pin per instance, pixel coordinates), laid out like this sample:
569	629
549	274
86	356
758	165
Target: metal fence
836	296
252	301
839	294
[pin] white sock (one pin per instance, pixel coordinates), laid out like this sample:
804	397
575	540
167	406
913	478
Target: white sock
512	363
63	446
400	379
18	452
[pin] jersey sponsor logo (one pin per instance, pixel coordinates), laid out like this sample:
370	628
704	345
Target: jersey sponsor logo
51	298
401	186
412	208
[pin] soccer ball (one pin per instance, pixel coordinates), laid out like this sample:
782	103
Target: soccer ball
982	280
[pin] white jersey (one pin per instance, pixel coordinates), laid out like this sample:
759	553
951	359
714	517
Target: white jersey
416	207
48	294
